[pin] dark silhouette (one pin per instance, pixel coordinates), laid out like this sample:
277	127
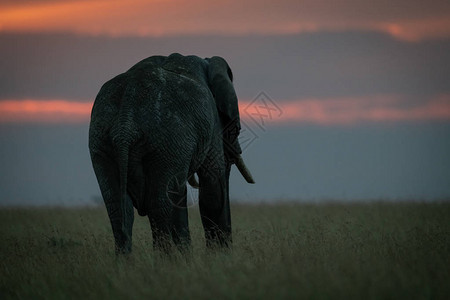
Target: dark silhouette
151	129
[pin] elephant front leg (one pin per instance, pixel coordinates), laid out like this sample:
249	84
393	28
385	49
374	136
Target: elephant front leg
215	206
121	214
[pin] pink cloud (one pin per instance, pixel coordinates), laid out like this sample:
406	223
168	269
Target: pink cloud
327	112
406	20
349	111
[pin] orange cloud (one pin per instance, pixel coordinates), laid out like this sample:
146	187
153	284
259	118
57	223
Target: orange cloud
46	111
339	111
418	29
406	20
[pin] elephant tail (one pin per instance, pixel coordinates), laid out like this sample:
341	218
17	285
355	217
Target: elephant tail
123	171
124	133
122	141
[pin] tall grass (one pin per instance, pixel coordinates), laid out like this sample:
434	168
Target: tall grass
333	251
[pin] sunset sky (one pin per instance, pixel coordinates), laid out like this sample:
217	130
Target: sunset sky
357	73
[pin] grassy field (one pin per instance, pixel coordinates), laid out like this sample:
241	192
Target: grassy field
328	251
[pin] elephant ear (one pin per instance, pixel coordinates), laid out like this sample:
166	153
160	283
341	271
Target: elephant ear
220	83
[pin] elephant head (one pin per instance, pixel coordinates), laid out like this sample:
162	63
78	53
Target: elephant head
220	82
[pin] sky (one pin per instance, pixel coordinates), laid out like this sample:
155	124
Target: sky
339	100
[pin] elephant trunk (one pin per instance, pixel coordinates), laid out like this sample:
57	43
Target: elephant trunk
244	170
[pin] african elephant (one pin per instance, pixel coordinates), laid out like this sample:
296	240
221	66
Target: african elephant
151	129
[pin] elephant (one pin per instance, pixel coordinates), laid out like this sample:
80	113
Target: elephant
152	128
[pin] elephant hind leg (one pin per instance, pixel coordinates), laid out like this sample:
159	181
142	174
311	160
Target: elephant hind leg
121	215
180	225
168	213
160	222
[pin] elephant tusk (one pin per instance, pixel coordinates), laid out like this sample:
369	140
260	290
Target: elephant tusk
244	170
193	182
